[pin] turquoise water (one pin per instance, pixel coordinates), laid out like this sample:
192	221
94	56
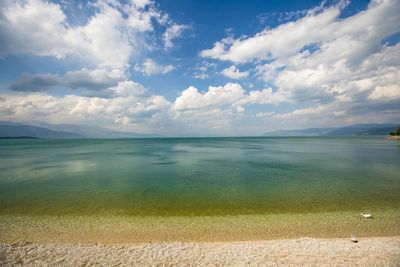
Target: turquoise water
198	176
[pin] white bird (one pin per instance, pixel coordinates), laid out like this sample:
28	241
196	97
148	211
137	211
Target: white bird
354	239
366	215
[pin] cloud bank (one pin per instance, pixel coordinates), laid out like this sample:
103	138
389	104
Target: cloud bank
318	69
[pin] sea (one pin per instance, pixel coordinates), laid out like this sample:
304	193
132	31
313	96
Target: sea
199	176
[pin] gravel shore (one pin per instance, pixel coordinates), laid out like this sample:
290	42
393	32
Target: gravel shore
375	251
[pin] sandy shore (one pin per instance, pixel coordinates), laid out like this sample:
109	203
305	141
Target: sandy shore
377	251
275	240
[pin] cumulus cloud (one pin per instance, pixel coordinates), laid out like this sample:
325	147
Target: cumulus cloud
234	73
219	49
265	96
333	65
191	98
150	67
32	27
230	95
220	109
311	79
109	38
128	88
130	106
173	32
193	109
133	107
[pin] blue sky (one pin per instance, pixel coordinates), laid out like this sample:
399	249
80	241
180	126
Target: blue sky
200	67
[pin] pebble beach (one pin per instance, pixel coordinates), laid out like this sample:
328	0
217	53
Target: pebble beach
382	251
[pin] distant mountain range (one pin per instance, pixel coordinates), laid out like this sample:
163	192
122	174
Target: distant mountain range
40	129
351	130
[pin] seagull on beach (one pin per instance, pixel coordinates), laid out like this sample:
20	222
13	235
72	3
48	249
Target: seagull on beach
354	239
366	215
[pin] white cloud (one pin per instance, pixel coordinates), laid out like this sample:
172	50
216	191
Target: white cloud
141	19
218	49
32	27
128	88
315	28
332	65
202	70
191	98
273	17
234	73
200	75
264	114
131	107
265	96
219	110
282	41
303	112
230	95
389	92
128	109
310	78
140	3
173	32
105	38
109	38
150	67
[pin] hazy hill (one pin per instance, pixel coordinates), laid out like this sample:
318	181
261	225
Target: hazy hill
351	130
40	129
21	130
89	130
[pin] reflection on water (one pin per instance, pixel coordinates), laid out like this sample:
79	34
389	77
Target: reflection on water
193	176
77	166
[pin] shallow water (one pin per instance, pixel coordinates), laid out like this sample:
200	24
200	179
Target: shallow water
199	176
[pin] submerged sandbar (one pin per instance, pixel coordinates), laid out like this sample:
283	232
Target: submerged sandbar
138	229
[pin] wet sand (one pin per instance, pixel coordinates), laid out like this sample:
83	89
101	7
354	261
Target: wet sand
137	229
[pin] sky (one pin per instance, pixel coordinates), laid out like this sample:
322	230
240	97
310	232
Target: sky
186	67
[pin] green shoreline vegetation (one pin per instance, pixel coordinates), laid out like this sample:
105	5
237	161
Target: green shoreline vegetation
395	135
396	132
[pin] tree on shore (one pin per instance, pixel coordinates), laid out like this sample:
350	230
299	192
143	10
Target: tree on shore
395	132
